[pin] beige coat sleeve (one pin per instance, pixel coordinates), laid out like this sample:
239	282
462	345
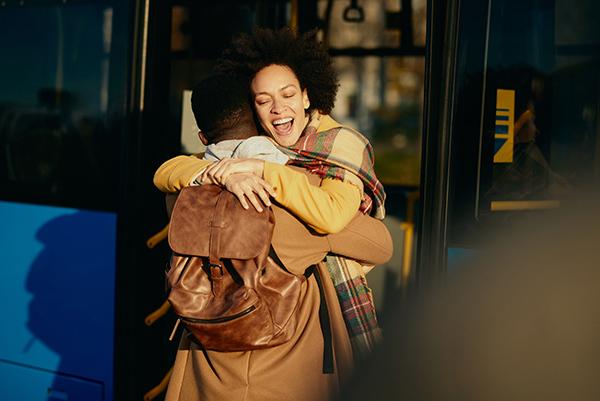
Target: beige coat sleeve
365	239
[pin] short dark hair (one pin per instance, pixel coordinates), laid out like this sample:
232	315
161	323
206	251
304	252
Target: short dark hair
303	54
220	102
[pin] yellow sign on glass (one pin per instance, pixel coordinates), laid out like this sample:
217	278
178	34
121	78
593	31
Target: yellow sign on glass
504	133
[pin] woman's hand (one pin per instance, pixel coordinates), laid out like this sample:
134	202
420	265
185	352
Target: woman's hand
219	172
248	185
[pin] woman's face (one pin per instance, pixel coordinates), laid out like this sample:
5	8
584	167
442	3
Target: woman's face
280	103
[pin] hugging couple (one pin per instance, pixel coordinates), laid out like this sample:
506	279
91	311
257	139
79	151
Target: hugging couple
264	116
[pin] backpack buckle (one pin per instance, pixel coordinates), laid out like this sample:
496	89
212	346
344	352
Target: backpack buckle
216	270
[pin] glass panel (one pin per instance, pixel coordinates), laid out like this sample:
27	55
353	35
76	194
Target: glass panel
419	10
192	55
371	23
63	95
383	99
541	138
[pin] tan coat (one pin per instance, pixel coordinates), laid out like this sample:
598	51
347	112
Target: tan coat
291	371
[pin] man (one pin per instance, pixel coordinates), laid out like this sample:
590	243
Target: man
293	370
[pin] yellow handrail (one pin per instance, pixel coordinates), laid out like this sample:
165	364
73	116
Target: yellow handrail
162	386
158	237
157	314
407	251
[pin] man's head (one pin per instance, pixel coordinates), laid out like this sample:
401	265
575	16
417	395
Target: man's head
222	110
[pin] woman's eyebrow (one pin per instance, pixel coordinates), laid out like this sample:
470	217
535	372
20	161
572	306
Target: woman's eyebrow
280	89
287	86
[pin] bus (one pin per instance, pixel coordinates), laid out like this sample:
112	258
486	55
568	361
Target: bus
480	113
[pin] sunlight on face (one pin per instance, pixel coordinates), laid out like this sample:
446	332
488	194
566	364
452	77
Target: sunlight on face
280	103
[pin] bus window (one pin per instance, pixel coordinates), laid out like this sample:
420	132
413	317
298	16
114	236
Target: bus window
382	97
63	80
540	139
378	49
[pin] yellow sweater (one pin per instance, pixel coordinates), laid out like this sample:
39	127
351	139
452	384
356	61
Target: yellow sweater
327	208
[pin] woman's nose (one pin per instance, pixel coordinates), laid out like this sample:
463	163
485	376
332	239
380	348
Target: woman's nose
278	106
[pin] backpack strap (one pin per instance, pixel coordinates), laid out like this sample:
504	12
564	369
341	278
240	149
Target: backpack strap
325	322
214	264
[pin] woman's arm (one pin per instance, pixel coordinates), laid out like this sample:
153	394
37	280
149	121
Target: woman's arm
327	208
178	172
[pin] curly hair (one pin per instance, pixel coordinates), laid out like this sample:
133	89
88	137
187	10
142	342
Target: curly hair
303	54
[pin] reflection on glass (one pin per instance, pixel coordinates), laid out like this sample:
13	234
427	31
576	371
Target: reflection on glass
382	98
546	141
57	132
371	23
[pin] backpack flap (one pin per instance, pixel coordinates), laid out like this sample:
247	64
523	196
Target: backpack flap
205	212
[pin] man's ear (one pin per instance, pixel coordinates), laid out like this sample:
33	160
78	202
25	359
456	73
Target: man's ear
202	138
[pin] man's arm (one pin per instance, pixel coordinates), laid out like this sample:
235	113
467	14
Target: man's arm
365	239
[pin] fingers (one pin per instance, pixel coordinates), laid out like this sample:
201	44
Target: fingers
250	188
254	201
245	194
214	172
220	171
263	193
242	198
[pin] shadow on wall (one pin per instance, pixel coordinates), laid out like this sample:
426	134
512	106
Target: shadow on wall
519	322
71	312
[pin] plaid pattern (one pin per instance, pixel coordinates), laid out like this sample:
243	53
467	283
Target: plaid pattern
356	301
341	153
345	154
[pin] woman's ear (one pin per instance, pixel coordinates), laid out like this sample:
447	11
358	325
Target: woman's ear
305	99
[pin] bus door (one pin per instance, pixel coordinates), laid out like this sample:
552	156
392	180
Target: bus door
378	49
63	101
518	112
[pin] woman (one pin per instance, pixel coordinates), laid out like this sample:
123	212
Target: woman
293	90
291	103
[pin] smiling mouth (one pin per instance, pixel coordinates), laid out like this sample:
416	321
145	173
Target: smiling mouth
283	126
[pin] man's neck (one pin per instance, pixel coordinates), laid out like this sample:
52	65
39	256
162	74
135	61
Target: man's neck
238	132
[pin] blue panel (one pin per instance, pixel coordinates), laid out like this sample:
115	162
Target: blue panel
58	273
20	383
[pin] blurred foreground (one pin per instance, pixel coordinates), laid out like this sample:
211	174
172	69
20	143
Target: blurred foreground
518	322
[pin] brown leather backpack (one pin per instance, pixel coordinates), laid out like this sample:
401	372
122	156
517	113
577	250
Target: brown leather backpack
226	289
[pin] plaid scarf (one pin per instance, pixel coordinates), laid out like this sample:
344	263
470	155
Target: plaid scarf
356	302
341	153
335	153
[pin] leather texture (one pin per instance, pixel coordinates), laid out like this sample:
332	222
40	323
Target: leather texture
223	285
